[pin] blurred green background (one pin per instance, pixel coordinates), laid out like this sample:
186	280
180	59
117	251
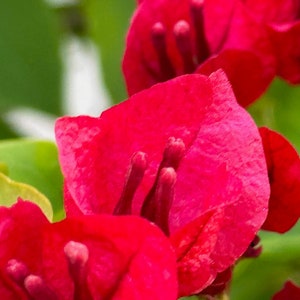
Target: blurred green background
34	72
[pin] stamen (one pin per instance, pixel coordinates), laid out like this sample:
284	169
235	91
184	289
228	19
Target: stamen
163	198
77	255
17	271
172	156
182	35
202	48
173	153
158	37
135	175
38	289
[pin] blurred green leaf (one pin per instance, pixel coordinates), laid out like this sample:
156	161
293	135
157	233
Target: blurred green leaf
12	190
30	67
108	22
35	163
3	168
260	278
5	131
279	109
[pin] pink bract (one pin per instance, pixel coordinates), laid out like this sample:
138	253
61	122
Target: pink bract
212	195
284	174
169	38
83	258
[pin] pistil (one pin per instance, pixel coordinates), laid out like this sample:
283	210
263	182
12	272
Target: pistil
163	199
202	48
134	177
158	37
159	199
38	289
77	255
182	33
17	271
33	285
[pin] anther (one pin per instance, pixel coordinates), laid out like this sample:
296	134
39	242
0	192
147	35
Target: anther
77	255
162	200
202	48
172	156
158	37
38	289
182	35
134	177
17	271
173	153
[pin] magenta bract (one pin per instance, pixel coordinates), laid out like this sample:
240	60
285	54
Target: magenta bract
184	155
83	258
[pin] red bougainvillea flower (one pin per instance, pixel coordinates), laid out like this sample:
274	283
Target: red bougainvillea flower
283	164
182	154
289	292
168	38
282	18
83	258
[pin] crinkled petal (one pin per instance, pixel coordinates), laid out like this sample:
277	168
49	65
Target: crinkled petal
129	258
237	63
95	152
194	244
210	244
245	33
284	174
224	153
20	238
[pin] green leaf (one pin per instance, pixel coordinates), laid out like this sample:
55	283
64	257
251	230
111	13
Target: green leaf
108	22
10	191
6	132
35	163
260	278
30	67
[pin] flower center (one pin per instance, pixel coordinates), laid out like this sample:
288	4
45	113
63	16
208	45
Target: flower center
36	288
158	201
190	57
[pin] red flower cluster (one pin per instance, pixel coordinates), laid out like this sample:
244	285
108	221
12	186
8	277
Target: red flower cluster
182	154
83	258
251	40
